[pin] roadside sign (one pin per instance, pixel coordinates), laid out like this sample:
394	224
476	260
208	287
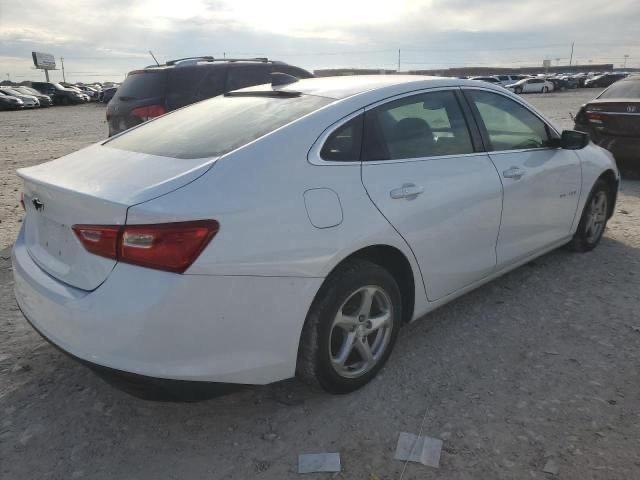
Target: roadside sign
45	61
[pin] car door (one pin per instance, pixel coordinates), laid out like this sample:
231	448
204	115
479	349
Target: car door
541	183
425	174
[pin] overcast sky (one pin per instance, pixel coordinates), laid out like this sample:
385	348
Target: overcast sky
103	39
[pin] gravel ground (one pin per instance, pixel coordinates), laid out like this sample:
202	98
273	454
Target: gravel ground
539	367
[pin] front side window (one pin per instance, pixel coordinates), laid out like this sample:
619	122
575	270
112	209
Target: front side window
423	125
343	145
509	125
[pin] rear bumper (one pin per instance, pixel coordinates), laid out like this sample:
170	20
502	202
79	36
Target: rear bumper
626	150
183	327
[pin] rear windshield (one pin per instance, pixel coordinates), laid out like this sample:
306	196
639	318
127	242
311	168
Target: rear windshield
216	126
143	85
624	89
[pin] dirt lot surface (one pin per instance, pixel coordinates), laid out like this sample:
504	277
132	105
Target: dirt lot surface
538	368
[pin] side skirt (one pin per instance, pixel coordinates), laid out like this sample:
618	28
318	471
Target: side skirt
431	306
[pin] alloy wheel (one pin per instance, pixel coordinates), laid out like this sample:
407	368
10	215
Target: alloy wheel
361	331
596	217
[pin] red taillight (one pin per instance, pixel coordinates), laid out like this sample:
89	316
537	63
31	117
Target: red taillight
99	239
595	117
150	111
166	246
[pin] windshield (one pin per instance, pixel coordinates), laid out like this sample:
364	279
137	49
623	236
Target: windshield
624	89
216	126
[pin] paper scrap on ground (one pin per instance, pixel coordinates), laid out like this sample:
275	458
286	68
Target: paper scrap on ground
425	450
318	462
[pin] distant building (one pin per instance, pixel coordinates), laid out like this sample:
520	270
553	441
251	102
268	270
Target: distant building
468	71
338	72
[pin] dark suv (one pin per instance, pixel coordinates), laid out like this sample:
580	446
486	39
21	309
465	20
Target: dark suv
158	89
59	94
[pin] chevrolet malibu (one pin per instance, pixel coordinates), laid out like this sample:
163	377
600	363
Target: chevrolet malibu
294	228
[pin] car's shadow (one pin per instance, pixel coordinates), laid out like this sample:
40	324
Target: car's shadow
455	360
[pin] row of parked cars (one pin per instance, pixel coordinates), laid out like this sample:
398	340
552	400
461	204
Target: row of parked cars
46	94
547	83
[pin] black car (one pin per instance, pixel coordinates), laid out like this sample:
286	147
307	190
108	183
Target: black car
155	90
9	102
603	80
613	121
107	94
59	94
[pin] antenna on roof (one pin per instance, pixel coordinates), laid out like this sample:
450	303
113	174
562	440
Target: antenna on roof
154	57
278	79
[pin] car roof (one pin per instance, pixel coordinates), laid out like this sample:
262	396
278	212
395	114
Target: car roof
376	85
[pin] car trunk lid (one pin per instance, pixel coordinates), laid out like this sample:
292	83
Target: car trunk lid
93	186
620	117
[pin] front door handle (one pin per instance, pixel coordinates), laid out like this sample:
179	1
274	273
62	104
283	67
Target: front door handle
514	172
408	190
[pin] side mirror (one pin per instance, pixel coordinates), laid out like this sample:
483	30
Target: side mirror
573	140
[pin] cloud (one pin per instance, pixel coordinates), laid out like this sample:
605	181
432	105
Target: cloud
107	38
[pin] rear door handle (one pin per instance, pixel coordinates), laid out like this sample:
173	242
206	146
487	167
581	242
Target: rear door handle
408	190
514	172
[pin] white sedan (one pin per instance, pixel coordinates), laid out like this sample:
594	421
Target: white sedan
295	228
531	85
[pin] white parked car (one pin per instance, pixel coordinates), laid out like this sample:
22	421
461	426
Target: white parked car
531	85
294	229
509	79
488	79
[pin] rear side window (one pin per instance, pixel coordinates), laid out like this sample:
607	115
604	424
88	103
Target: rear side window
145	84
509	125
343	145
424	125
216	126
625	89
241	76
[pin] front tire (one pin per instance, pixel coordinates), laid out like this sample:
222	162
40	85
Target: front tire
351	327
594	219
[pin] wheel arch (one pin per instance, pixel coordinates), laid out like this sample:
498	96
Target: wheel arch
397	264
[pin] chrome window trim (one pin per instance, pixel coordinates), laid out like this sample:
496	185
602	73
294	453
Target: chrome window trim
426	159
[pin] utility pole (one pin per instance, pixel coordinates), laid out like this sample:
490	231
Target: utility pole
398	60
62	62
224	54
626	55
571	58
8	76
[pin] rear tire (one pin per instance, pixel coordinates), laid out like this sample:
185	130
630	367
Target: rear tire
342	347
594	219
